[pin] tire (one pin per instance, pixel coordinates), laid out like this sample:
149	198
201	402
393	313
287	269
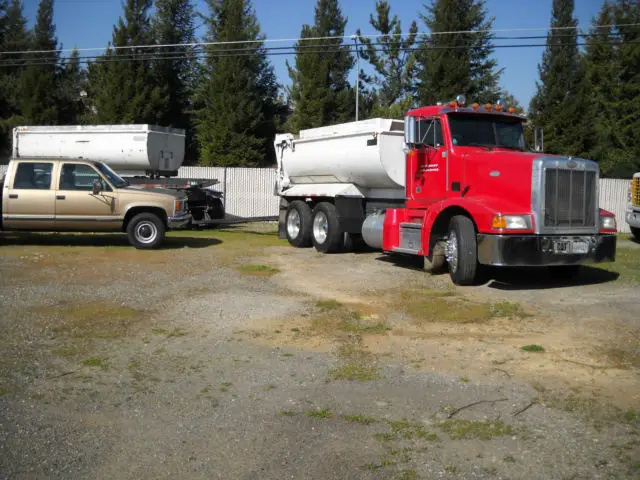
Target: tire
461	251
564	272
298	224
146	231
326	234
635	231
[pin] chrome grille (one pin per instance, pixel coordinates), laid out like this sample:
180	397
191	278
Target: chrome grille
569	198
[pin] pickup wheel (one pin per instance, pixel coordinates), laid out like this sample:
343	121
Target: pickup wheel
145	231
326	234
635	231
461	251
298	224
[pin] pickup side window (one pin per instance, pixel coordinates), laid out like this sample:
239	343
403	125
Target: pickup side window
33	176
77	176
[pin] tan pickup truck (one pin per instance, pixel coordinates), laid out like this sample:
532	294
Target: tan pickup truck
86	196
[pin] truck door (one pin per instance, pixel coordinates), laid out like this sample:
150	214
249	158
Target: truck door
428	173
29	197
77	208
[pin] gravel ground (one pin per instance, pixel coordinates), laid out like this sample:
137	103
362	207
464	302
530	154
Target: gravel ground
183	363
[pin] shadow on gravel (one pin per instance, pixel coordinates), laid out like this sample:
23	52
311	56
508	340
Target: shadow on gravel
541	278
517	278
98	240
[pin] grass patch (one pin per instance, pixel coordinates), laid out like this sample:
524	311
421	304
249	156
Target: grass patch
287	413
356	364
625	352
100	362
532	348
320	413
328	304
359	419
94	320
409	474
470	429
224	386
406	430
435	308
259	270
69	352
174	332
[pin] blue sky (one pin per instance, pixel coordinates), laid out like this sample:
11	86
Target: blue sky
89	23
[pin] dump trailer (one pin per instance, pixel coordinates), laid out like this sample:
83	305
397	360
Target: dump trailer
144	155
454	184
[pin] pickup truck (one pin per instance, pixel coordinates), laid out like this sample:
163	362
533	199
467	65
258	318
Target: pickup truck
79	195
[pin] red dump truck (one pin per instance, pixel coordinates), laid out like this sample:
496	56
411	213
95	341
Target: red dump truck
452	183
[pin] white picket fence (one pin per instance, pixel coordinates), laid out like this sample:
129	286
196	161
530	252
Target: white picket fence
248	192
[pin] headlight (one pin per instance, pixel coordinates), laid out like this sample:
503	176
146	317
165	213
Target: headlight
511	222
608	223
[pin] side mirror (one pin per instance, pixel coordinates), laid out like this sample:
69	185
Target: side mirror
410	130
97	186
538	136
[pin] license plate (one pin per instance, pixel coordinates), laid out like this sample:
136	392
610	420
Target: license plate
568	247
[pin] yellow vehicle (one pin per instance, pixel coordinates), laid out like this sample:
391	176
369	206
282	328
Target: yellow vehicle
633	206
79	195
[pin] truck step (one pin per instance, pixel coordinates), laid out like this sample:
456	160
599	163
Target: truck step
408	251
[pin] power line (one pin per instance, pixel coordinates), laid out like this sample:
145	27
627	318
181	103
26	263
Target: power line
300	39
251	52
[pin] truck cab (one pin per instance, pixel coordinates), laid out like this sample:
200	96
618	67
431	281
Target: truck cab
79	195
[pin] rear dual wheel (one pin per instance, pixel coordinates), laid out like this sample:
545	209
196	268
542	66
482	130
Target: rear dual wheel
327	235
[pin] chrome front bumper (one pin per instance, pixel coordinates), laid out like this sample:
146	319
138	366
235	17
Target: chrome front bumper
632	217
179	221
538	250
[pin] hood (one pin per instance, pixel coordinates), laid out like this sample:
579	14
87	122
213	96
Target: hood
501	174
144	191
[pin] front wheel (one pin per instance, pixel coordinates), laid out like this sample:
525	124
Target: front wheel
145	231
461	251
635	231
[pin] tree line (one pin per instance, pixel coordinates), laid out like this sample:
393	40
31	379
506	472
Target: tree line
226	95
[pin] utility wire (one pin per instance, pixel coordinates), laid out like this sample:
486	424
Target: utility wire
251	52
300	39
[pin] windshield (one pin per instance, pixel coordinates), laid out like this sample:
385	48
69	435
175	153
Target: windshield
112	176
487	131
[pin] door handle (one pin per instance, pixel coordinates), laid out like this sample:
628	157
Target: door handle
60	197
13	195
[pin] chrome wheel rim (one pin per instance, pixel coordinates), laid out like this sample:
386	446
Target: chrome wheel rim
320	227
451	251
146	232
293	224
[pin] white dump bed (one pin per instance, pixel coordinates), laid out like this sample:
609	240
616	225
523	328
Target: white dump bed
122	147
368	154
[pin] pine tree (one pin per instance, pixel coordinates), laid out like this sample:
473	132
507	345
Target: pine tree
38	84
560	95
320	90
237	97
393	61
72	84
452	64
15	38
122	87
173	24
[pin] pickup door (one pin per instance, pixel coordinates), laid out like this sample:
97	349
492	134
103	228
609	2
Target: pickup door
77	208
29	199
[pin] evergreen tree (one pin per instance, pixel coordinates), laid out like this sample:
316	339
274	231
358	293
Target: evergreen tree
15	38
559	103
72	84
173	23
122	87
461	63
38	85
393	61
237	97
320	90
